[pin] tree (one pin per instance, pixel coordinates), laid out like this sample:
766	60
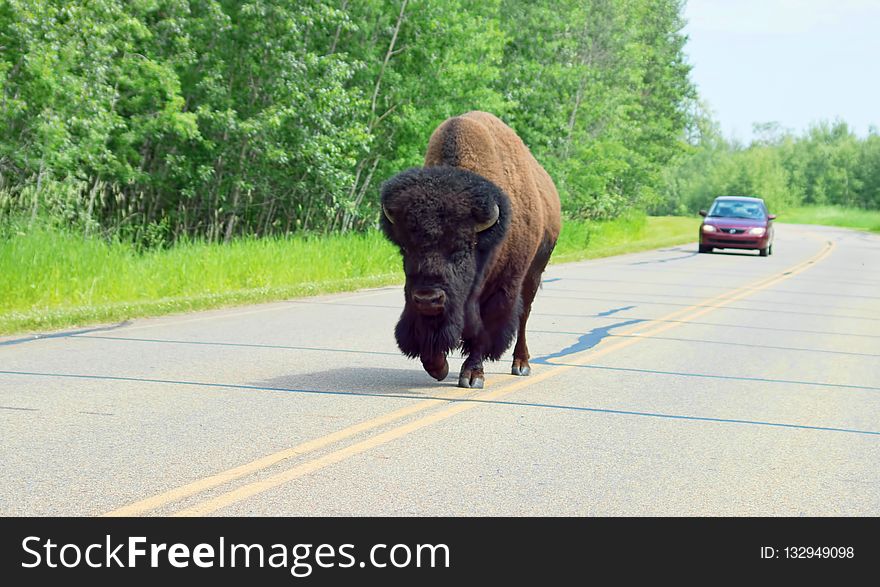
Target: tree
156	119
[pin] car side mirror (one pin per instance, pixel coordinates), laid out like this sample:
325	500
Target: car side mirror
703	212
771	217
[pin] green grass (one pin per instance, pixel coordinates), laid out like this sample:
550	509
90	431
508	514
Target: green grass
833	216
53	279
628	234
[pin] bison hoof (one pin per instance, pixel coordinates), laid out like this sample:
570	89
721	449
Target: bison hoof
520	367
437	370
471	379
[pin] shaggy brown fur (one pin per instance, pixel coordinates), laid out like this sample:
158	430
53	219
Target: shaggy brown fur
488	293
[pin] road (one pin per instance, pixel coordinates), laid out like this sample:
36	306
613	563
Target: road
666	383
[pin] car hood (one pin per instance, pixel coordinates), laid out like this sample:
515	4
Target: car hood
721	222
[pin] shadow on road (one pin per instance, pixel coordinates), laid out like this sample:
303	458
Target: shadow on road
586	341
379	381
735	252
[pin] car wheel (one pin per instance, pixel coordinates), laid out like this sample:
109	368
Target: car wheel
705	249
764	252
770	250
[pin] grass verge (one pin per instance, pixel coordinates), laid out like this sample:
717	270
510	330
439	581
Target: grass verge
55	279
628	234
833	216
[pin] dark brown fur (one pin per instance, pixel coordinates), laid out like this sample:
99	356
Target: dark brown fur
489	278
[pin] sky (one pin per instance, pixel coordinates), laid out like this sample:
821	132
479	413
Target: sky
794	62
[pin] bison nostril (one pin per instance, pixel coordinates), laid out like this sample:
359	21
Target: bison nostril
429	297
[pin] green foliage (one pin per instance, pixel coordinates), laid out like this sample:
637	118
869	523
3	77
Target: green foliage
157	120
599	92
827	164
628	233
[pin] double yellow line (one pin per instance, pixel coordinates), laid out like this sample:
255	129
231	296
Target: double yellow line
240	493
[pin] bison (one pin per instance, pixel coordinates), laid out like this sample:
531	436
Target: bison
475	226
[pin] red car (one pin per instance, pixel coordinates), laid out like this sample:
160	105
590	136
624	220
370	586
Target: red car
736	222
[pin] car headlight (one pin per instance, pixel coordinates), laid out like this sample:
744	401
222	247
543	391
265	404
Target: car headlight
757	231
708	228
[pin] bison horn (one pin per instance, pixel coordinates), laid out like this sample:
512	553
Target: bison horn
491	222
387	214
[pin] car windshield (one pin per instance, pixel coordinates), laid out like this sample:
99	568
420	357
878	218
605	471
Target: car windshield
736	209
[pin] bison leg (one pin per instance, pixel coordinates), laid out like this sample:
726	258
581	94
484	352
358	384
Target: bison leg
521	350
529	288
437	367
471	376
488	335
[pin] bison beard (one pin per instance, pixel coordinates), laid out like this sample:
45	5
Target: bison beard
472	266
430	337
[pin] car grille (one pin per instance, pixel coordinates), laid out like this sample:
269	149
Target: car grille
730	241
732	230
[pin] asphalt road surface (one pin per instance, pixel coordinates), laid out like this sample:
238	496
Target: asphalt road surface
665	383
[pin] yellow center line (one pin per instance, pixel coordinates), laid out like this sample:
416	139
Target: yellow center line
724	299
254	488
140	507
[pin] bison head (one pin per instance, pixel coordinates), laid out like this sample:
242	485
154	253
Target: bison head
447	222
